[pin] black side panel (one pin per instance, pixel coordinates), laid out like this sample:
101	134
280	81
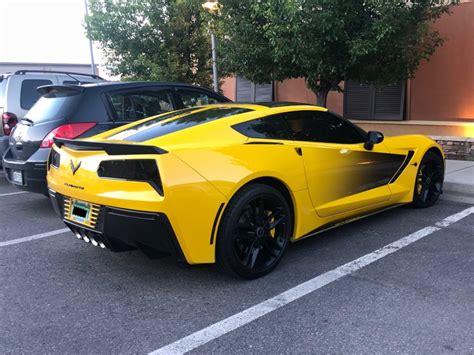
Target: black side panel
369	171
402	168
214	225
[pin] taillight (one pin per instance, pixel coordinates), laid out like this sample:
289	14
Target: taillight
9	121
70	131
134	170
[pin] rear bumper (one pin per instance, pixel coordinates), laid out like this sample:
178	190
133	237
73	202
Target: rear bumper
33	170
120	230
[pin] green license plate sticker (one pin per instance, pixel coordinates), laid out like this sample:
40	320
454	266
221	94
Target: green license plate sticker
80	211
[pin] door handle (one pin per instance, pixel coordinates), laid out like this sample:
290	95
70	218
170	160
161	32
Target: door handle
299	151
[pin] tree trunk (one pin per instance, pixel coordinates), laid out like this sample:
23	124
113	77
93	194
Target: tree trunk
322	97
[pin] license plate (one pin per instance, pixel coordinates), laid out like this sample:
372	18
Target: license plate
17	177
80	211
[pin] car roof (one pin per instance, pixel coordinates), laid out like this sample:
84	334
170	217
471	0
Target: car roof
132	84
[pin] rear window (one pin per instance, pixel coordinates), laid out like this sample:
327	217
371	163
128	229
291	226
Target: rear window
29	94
56	104
156	127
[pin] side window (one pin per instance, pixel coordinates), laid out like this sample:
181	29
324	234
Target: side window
318	126
192	98
29	95
271	127
137	105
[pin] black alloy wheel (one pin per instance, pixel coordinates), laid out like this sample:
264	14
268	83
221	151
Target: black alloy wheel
255	231
429	181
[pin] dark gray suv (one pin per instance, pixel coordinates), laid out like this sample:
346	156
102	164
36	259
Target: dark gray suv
73	111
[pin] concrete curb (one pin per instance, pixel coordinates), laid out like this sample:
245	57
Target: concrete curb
459	189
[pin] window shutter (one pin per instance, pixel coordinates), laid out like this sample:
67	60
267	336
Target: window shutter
368	102
247	91
244	90
357	101
263	92
389	102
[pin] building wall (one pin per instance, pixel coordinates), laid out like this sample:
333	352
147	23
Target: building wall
444	87
295	90
228	87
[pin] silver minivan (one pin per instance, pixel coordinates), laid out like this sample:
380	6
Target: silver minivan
18	94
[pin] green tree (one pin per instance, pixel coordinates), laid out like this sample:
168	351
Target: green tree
152	39
327	41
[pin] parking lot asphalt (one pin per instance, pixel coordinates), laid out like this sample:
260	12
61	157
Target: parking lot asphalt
61	295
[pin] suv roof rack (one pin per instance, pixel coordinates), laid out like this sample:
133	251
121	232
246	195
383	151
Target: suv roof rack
24	71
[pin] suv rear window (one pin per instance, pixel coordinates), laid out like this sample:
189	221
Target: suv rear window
29	95
56	104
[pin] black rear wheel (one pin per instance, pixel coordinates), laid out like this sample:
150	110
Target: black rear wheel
254	231
429	181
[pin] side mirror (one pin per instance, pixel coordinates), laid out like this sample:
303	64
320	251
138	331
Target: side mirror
373	137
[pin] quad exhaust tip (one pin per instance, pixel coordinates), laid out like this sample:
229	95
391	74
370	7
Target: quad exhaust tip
86	237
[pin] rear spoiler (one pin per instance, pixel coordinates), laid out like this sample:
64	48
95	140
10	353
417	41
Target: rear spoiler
109	148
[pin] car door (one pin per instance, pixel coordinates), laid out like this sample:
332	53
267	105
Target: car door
131	105
341	174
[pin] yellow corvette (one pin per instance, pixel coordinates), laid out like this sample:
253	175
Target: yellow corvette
235	183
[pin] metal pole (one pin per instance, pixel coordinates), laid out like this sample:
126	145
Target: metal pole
214	62
91	49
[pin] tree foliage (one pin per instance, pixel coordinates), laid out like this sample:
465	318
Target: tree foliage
152	39
327	41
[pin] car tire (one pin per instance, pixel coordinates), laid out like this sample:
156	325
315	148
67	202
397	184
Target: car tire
429	181
254	232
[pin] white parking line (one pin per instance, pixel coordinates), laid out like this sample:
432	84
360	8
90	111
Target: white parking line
240	319
13	193
33	237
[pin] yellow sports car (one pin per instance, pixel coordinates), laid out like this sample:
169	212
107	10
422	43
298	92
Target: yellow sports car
235	183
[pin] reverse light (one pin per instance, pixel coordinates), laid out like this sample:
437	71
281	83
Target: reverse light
70	131
9	120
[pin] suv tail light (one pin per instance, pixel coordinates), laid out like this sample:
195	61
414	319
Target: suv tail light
9	121
70	131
